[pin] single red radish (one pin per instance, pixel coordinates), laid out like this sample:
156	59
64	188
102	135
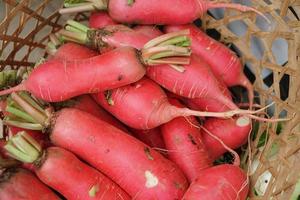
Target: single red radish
139	170
225	65
100	19
233	133
185	145
109	37
149	105
155	11
151	137
219	182
196	81
73	178
20	184
113	69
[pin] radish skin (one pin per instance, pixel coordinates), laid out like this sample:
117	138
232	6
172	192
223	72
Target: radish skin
116	68
219	182
151	137
233	132
87	103
20	184
225	65
197	81
71	51
185	145
100	19
150	31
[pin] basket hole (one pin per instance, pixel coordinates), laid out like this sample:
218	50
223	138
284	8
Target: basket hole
21	53
284	84
35	55
257	47
13	25
268	2
2	11
43	33
280	50
263	25
214	34
267	76
238	27
7	50
28	27
51	7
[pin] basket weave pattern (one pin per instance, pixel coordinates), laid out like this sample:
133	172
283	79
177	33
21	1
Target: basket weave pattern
26	24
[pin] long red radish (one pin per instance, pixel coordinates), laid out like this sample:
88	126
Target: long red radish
155	11
151	137
233	133
226	182
196	81
149	105
185	145
63	171
139	170
87	103
100	19
225	63
113	69
20	184
109	37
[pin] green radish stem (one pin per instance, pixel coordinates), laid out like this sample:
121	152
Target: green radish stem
170	45
83	5
23	147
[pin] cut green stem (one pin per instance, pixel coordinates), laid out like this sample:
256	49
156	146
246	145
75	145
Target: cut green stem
23	148
83	6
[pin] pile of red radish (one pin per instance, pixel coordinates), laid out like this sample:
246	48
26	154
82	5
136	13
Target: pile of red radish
111	113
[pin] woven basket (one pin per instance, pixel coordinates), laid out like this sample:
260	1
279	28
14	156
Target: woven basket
273	165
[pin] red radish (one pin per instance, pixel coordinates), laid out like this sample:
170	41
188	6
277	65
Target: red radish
225	65
87	103
197	81
113	69
63	171
151	137
109	37
149	105
226	182
139	170
100	19
185	146
20	184
156	11
233	132
150	31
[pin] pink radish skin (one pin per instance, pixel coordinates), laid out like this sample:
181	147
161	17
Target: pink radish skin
111	70
64	172
87	103
164	12
20	184
121	36
100	19
225	65
219	182
185	146
151	137
146	101
150	31
208	104
197	81
233	132
139	170
72	51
